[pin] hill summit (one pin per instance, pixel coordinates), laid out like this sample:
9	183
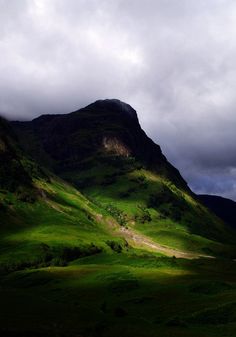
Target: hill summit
105	128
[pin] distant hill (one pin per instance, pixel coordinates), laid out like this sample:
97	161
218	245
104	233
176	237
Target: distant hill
224	208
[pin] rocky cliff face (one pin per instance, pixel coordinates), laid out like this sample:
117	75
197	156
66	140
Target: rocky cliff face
104	128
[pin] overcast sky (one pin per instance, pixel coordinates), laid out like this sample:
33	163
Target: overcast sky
174	61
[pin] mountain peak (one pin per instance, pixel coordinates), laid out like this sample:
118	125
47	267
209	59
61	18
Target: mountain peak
107	127
113	108
116	105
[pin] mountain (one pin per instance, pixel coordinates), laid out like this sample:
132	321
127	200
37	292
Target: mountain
224	208
71	141
100	236
44	220
102	151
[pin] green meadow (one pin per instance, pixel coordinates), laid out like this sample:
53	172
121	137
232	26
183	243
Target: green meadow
130	294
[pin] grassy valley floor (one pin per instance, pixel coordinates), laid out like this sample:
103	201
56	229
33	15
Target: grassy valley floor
133	293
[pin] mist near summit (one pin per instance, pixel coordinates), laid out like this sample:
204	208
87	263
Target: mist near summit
174	62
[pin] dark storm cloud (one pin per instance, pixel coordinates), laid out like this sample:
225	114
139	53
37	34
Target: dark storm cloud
172	60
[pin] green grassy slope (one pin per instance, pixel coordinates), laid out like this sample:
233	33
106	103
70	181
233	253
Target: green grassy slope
57	227
73	257
43	220
61	276
143	200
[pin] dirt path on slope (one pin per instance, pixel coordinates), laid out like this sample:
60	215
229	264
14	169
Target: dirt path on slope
135	238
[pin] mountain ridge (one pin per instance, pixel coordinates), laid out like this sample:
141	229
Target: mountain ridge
105	120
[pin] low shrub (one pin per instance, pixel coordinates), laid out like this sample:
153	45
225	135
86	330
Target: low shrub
52	257
115	246
72	253
143	216
119	215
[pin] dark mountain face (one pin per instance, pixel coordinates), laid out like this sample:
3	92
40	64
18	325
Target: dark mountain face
13	175
222	207
106	128
17	170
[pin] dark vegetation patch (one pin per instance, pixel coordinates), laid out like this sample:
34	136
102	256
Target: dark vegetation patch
119	163
168	204
117	214
28	333
108	180
116	246
17	171
149	261
143	215
219	315
215	316
209	251
141	300
209	287
13	174
30	279
122	286
141	181
120	282
68	254
51	256
84	183
127	193
175	322
26	195
120	312
3	206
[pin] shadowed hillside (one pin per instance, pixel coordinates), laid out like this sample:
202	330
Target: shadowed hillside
73	141
224	208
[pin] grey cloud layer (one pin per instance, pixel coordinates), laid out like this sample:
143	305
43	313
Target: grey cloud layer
174	61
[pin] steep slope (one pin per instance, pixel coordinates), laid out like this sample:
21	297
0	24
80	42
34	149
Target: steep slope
44	220
13	170
105	127
102	150
224	208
